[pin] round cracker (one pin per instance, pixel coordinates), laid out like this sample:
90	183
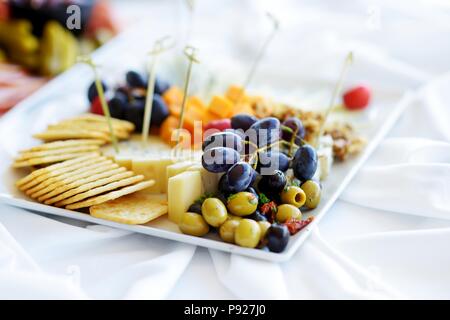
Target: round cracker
111	195
73	189
100	190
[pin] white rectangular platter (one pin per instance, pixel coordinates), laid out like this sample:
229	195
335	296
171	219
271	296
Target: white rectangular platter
65	96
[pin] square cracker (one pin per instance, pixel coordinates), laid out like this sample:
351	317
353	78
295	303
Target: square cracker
66	144
53	152
111	195
64	134
90	126
135	208
99	190
61	184
68	191
48	159
97	118
62	173
58	166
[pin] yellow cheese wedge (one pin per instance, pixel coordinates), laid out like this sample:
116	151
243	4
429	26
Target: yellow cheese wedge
210	180
153	169
183	190
177	168
124	162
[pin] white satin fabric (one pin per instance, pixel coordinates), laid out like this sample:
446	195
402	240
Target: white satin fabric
387	236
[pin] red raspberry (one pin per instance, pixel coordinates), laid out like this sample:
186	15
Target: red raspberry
357	98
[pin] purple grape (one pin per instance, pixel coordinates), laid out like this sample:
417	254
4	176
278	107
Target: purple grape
239	177
277	237
264	132
219	159
118	104
136	80
296	125
272	184
272	160
92	90
304	163
243	121
160	111
223	139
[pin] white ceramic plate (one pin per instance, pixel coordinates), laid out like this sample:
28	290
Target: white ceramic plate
65	96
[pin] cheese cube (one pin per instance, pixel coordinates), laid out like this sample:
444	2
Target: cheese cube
325	158
177	168
210	180
235	93
124	162
220	106
154	169
183	190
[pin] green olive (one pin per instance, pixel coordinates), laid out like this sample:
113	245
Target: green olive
233	217
214	212
264	226
247	233
227	230
193	224
313	191
293	195
242	203
286	212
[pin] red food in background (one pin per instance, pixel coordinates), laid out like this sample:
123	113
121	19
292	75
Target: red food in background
357	98
4	11
96	106
220	125
102	17
15	85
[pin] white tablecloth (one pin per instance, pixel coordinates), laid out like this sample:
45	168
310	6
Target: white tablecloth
386	237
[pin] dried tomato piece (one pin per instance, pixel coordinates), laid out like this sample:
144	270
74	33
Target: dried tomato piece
295	225
269	209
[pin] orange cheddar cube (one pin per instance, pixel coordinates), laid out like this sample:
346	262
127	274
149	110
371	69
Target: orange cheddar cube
196	102
234	93
170	124
242	108
173	96
220	106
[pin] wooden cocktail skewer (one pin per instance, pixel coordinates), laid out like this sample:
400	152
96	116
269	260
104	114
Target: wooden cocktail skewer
159	47
101	94
191	53
191	6
336	91
275	27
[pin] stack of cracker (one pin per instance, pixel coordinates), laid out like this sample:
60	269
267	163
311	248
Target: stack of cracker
81	182
86	126
57	151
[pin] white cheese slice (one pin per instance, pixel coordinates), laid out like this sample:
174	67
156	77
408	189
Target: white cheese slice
153	169
183	190
210	180
325	158
177	168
